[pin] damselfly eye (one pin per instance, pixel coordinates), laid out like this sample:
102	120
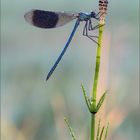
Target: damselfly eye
93	14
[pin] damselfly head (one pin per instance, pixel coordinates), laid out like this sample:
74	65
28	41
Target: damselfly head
93	14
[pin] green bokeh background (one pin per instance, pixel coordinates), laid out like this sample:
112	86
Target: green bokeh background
33	109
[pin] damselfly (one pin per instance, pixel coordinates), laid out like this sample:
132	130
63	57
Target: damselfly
49	19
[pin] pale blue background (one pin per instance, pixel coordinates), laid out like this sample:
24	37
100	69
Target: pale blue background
36	108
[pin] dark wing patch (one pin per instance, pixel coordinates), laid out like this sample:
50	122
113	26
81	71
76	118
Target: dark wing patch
44	19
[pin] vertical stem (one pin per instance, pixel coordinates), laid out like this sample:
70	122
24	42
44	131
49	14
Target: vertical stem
95	83
92	126
97	67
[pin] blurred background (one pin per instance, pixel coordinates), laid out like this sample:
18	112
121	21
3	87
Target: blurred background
33	109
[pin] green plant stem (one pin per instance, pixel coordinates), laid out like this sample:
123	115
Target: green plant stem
97	67
95	83
92	126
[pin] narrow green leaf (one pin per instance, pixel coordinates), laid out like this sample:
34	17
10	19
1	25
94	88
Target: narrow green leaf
101	101
70	129
86	98
106	132
98	130
102	133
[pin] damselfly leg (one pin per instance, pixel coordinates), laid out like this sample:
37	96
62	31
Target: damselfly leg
88	27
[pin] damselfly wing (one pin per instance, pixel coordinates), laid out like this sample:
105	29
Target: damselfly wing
49	19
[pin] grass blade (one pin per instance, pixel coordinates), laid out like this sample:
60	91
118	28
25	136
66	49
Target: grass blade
106	132
98	130
101	101
102	133
86	98
70	129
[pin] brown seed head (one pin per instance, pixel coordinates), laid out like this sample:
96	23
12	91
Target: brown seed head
103	10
